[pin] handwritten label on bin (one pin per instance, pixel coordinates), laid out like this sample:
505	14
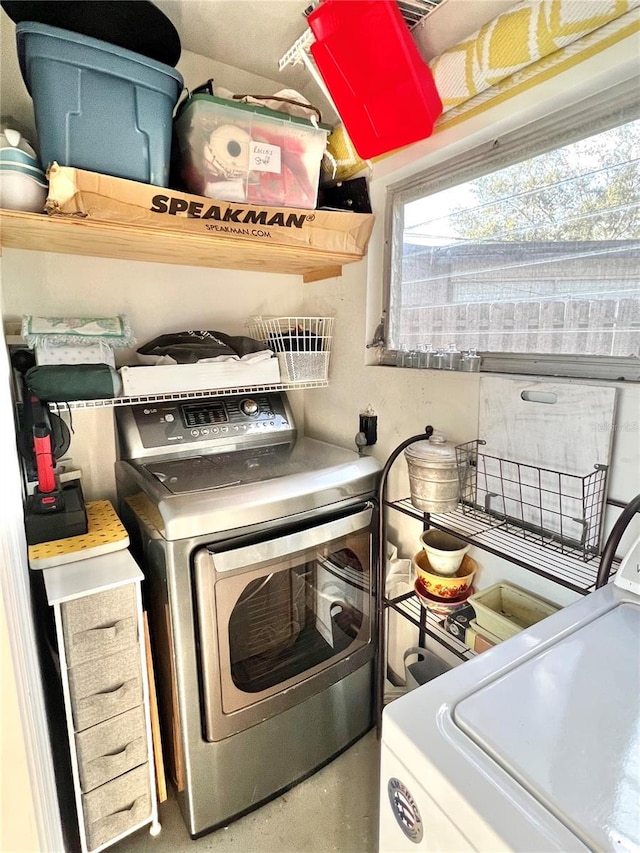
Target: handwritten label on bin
264	158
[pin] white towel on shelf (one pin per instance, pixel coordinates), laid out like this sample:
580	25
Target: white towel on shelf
261	355
249	358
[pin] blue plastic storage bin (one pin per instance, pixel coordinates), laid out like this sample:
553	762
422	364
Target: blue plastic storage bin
97	106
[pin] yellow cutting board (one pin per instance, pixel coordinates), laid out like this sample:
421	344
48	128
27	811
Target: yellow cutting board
105	534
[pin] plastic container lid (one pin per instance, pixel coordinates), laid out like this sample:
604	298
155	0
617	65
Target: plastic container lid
104	53
250	108
434	449
135	25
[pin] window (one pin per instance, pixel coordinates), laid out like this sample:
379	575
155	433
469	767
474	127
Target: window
523	254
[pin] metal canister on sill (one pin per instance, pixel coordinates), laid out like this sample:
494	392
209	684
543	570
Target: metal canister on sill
470	362
433	474
452	358
439	359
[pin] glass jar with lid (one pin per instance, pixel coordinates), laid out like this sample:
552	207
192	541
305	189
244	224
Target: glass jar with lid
426	356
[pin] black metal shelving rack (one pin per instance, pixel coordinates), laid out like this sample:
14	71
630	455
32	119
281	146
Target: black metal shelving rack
572	572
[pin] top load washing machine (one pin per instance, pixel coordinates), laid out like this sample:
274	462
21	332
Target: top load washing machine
532	746
256	545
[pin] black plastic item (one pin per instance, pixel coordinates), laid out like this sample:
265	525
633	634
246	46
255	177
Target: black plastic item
34	411
204	88
298	341
613	540
347	195
369	426
136	25
68	519
191	346
457	623
44	503
22	360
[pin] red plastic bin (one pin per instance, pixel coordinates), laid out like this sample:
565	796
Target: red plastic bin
381	86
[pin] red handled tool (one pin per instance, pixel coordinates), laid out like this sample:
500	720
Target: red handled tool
44	458
47	497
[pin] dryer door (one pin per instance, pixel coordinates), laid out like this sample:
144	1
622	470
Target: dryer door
281	619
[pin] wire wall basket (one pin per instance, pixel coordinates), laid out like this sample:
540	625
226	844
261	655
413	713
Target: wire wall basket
558	510
302	344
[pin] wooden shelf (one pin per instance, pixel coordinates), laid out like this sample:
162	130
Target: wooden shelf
39	232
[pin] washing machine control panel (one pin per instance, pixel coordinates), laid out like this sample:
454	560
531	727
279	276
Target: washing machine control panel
209	421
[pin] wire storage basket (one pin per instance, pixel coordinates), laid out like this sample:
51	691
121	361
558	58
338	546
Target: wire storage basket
560	511
302	344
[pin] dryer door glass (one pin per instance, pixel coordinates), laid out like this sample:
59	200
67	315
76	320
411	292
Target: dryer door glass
299	616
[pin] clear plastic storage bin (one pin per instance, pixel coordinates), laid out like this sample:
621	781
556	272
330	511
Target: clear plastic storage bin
245	153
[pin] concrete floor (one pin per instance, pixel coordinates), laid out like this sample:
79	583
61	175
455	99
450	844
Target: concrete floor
335	810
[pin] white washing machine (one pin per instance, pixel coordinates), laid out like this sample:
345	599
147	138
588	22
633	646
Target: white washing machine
532	746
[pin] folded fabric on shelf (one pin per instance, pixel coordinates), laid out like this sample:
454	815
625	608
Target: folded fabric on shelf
113	331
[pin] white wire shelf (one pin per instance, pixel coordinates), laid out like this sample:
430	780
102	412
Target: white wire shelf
299	54
186	395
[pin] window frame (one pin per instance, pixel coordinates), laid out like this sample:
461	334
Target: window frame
600	112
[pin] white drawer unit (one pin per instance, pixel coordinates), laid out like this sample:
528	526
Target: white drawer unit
111	748
100	624
101	642
104	687
117	807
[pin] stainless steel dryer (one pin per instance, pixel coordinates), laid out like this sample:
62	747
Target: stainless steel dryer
256	547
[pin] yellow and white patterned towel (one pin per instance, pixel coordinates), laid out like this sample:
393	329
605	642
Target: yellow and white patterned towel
514	40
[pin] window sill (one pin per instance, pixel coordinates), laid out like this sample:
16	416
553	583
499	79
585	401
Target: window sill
571	367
